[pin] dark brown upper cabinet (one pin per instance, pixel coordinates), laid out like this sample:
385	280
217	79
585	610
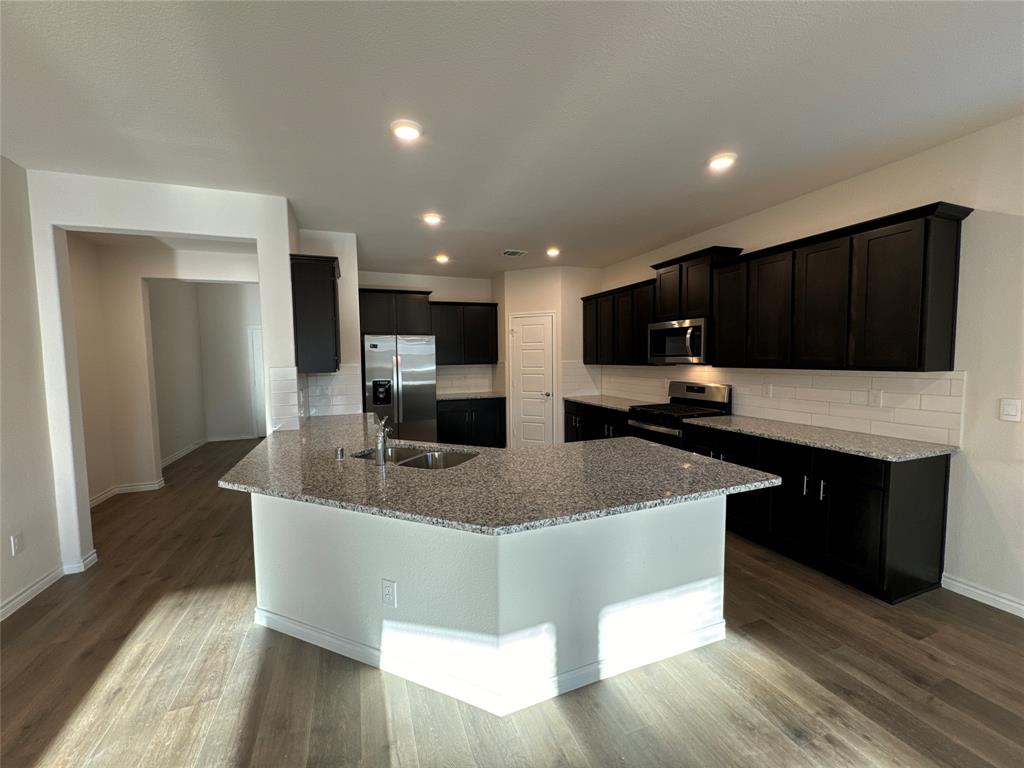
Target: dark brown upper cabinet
769	310
666	294
446	325
412	313
606	330
315	313
590	331
615	325
903	291
464	334
729	315
377	311
401	312
821	305
622	344
643	316
683	285
480	333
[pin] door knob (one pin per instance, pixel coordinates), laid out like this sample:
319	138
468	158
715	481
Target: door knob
547	394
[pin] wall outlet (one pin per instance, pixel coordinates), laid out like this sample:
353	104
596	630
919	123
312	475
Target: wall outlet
17	544
389	593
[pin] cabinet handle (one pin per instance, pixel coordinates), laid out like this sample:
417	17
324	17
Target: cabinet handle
821	491
805	485
721	457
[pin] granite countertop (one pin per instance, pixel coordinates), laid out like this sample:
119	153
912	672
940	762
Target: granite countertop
607	401
840	440
500	491
471	396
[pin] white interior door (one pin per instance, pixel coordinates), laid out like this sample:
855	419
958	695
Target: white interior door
531	345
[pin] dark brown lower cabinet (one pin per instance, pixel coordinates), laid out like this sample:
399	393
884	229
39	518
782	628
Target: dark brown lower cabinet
476	421
876	525
592	422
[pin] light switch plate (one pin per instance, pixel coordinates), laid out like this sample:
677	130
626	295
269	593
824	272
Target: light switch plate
1009	410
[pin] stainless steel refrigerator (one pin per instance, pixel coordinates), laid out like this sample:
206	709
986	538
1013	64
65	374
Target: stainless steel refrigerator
400	382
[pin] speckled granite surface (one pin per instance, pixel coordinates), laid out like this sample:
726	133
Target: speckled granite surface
500	491
471	396
606	401
857	443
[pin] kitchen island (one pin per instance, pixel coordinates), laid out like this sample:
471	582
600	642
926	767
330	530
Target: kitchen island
503	581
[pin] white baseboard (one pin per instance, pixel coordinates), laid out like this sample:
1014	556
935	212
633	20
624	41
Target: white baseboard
179	454
499	703
223	438
113	490
998	600
15	601
77	566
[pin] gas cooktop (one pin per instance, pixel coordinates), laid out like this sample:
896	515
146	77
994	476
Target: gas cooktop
689	400
668	413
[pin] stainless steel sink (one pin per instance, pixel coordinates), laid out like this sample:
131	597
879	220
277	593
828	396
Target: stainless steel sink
418	458
438	459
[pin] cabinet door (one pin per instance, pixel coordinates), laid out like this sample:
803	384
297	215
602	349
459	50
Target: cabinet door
571	423
591	424
412	312
851	503
315	316
377	312
590	331
885	298
643	315
622	346
770	311
480	334
488	423
446	325
730	315
666	293
454	422
794	522
606	330
614	423
695	287
821	305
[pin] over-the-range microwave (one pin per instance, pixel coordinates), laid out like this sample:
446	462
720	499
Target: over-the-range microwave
677	341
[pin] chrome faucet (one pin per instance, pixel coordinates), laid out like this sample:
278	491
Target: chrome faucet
382	442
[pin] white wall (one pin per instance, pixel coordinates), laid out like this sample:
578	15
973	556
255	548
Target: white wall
110	289
441	288
177	368
226	312
27	503
985	170
62	201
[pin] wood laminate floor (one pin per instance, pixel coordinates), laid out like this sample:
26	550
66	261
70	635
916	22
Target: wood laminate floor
150	658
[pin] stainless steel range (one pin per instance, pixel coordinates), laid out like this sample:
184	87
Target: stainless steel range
664	422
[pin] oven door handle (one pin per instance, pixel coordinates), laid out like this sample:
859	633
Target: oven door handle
655	428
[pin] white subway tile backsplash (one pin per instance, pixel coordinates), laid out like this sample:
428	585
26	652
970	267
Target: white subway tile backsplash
283	385
860	412
900	400
856	401
828	395
910	432
942	419
917	385
284	373
284	398
465	378
940	403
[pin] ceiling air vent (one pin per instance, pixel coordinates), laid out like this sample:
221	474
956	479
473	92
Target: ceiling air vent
513	252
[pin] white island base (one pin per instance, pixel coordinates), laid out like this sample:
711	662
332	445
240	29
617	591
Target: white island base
500	622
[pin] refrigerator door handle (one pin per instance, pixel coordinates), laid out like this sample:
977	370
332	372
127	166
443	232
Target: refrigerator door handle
396	363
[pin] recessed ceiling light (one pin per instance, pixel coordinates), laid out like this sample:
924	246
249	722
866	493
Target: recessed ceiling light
406	130
431	218
441	258
553	252
722	162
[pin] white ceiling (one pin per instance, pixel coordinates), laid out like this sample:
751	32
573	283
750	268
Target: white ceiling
586	125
